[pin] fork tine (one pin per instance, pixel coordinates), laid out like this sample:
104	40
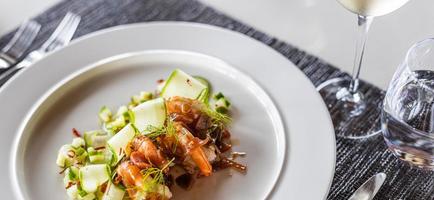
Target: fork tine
63	33
67	34
22	39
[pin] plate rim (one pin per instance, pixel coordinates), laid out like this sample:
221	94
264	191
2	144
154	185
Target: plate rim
222	32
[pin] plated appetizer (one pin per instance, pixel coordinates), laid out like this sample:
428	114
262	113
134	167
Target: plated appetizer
134	154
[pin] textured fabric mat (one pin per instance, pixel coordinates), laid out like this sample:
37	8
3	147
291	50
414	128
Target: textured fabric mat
356	160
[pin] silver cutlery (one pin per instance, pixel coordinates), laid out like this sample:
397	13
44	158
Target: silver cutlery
19	43
369	189
59	38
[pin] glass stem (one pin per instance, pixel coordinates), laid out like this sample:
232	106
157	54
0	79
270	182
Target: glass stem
364	22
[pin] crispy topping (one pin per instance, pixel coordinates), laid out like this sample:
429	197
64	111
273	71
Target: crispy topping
71	153
189	82
100	148
70	184
76	133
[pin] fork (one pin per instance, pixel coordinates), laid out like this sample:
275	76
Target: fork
19	43
59	38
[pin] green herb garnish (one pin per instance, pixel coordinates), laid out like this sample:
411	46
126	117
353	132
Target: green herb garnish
216	116
169	130
154	177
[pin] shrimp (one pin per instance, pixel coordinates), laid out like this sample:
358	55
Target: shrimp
133	179
139	160
184	110
130	173
131	176
145	150
193	147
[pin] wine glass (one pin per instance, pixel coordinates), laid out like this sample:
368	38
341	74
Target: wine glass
342	95
408	111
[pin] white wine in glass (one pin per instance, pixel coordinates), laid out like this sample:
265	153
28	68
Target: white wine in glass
342	96
372	7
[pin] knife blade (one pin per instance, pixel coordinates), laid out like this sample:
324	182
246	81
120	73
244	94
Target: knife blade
369	189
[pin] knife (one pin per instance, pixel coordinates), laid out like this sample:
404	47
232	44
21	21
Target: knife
370	188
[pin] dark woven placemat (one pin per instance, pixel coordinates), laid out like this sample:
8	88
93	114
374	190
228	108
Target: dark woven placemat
356	160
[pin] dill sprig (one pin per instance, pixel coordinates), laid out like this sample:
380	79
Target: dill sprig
169	130
154	177
153	132
216	116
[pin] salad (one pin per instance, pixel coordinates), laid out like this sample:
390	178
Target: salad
159	139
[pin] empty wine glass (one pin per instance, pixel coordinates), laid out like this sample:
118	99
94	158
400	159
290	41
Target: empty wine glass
408	111
342	95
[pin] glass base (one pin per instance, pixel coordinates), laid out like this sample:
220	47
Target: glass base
352	116
414	158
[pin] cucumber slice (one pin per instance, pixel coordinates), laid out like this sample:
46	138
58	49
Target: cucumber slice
105	114
150	113
221	104
78	142
90	196
97	138
119	142
122	110
63	160
92	176
203	81
181	84
160	86
72	192
204	96
145	96
97	159
71	175
113	192
219	96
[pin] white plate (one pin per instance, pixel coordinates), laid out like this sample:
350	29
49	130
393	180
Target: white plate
257	127
310	147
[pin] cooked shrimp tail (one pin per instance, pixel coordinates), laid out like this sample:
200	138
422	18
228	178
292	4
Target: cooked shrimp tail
150	152
192	147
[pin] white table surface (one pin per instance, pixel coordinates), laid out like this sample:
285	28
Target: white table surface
321	27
